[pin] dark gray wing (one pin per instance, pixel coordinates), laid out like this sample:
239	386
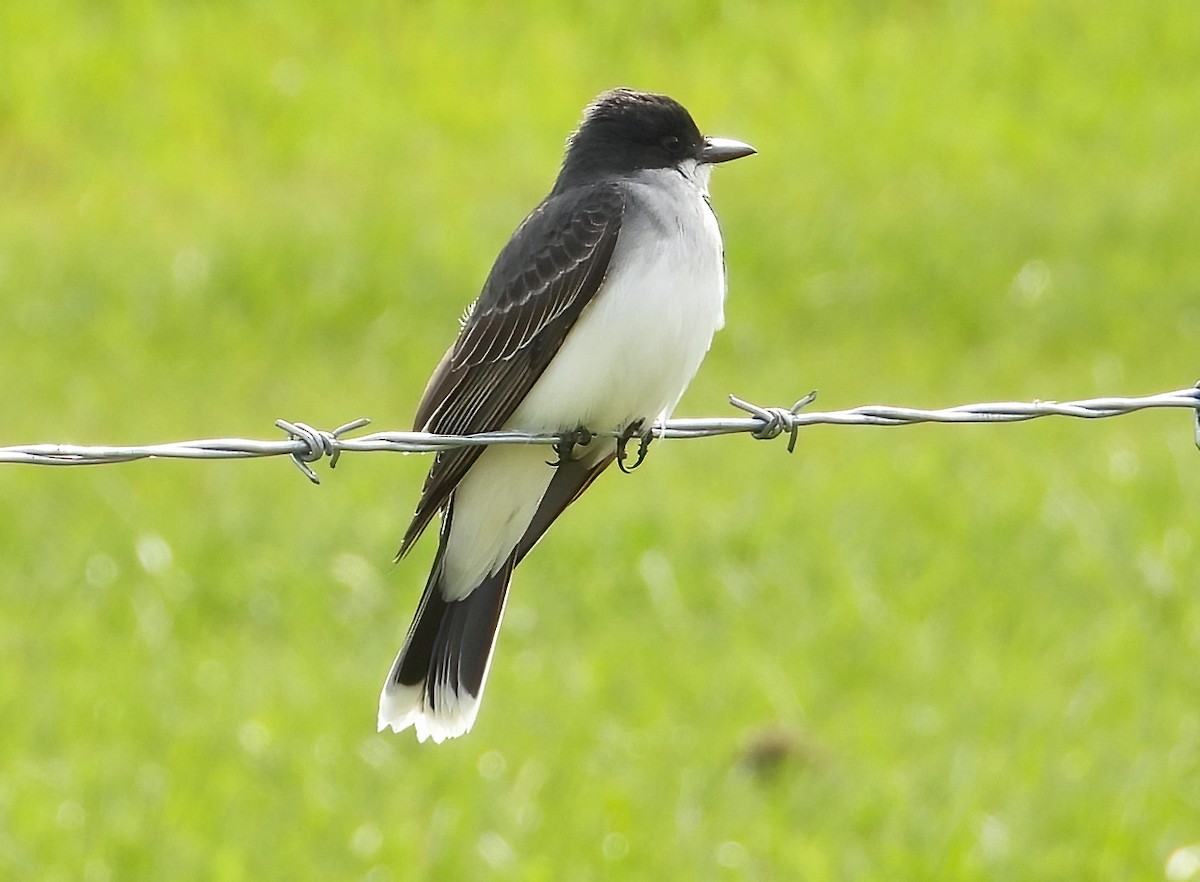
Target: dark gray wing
539	285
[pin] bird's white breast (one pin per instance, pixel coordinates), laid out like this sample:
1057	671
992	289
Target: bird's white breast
640	341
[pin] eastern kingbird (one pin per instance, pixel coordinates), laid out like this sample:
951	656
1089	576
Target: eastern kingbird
594	318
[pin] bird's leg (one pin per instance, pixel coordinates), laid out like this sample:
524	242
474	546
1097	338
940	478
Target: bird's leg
565	446
644	438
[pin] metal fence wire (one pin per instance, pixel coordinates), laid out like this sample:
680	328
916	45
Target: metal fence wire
305	445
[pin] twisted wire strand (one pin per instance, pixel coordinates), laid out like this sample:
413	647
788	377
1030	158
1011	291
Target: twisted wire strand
305	445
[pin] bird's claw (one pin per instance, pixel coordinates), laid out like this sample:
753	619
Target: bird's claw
644	438
565	447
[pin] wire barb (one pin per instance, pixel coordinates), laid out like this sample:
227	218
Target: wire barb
317	443
776	420
305	445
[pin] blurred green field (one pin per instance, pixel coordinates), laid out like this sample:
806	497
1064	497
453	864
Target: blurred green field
924	653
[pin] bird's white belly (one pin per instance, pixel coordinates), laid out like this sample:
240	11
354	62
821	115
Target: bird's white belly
638	344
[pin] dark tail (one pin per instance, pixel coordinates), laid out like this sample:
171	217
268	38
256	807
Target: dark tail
437	680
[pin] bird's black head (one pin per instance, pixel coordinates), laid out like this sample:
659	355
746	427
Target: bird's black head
624	131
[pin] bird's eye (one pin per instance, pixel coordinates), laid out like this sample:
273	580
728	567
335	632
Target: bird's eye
671	143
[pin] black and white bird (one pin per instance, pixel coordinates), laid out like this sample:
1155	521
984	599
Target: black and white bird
594	318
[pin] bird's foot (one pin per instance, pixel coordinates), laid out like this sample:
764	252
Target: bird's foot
644	438
565	448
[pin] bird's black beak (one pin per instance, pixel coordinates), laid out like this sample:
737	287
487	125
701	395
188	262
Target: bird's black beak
724	149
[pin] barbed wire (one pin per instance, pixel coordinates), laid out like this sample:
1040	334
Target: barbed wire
305	444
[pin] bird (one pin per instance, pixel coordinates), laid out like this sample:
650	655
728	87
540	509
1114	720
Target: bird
593	320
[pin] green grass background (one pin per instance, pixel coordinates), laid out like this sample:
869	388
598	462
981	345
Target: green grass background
926	653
